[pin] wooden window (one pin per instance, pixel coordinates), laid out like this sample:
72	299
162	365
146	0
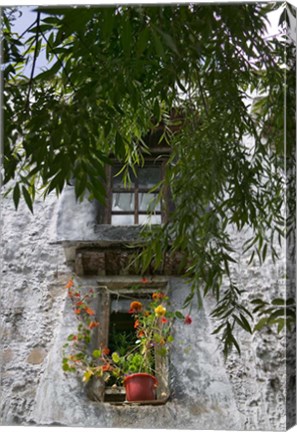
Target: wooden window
136	202
113	306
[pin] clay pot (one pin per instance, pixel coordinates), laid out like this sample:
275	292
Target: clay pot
140	387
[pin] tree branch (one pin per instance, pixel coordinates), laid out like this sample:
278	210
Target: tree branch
34	60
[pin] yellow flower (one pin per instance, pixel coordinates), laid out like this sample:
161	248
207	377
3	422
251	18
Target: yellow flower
160	310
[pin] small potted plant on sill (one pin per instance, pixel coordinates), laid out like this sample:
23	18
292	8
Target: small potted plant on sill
131	363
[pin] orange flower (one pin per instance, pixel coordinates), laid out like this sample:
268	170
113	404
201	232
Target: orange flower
93	324
140	334
158	295
105	351
135	306
106	367
89	311
136	324
69	284
77	311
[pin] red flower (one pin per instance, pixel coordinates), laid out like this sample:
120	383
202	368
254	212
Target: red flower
140	334
164	320
188	319
136	324
77	311
144	280
79	303
105	351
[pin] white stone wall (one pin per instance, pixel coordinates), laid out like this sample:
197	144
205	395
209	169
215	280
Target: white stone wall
32	300
245	393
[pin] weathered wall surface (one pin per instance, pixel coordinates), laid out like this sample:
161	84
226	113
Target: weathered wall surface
245	393
32	297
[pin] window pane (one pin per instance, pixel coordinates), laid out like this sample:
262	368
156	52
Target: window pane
118	181
122	202
146	202
120	305
122	219
149	176
146	219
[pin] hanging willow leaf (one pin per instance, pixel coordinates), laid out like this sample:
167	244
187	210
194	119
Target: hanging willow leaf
27	198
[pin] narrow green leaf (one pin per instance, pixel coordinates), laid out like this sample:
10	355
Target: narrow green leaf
142	41
260	324
259	301
247	326
16	195
179	315
27	198
170	42
157	111
158	45
281	324
278	302
50	72
119	145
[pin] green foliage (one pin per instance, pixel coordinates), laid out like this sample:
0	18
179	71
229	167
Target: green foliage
280	313
113	74
230	312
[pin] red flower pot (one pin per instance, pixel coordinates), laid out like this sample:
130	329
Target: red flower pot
140	387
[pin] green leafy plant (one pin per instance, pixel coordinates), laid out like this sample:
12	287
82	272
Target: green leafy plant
76	351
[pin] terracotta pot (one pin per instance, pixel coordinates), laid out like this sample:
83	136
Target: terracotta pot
140	387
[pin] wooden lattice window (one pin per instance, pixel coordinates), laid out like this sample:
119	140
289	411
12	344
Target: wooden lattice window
135	202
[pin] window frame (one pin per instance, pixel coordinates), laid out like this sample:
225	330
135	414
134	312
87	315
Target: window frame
136	190
107	288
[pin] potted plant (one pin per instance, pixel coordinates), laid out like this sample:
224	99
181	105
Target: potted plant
131	362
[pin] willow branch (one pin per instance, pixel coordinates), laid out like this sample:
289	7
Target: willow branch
202	96
59	60
34	60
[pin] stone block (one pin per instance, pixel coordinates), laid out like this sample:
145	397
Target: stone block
36	356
